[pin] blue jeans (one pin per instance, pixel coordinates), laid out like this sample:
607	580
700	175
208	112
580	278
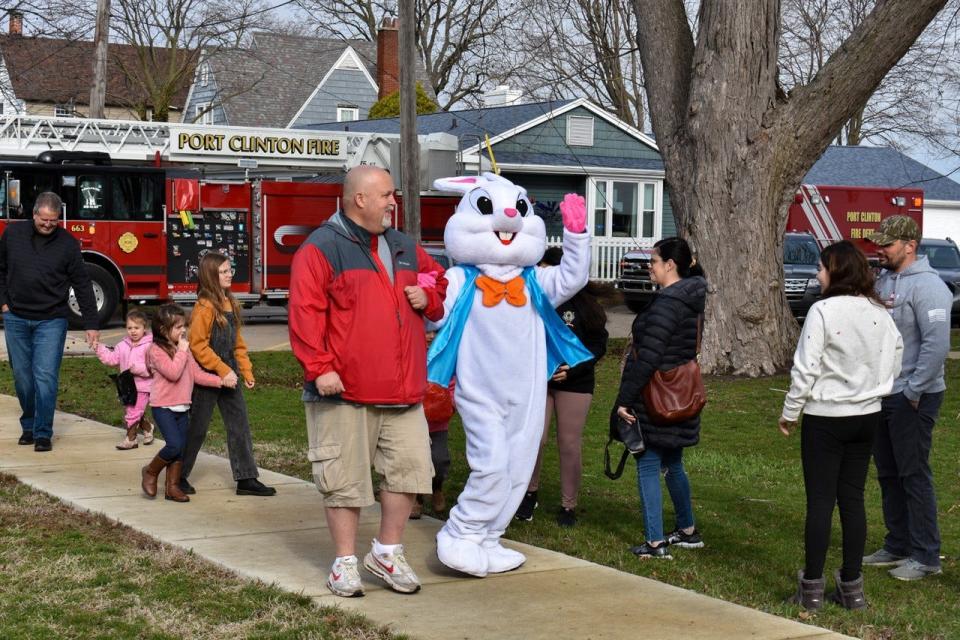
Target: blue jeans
173	427
649	466
35	348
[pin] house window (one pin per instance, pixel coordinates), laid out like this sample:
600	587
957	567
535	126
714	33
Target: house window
203	113
204	75
63	110
579	131
627	209
347	114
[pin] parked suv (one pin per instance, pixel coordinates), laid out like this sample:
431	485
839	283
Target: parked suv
945	258
800	257
801	254
634	279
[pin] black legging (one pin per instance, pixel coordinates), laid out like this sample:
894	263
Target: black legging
836	455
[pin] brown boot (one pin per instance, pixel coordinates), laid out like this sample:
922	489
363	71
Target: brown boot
150	473
849	595
172	489
809	593
130	440
147	427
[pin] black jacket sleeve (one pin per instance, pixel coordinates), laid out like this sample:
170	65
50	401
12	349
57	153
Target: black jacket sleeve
80	281
651	337
3	269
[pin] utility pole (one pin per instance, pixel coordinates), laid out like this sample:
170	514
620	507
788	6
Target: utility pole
409	146
98	90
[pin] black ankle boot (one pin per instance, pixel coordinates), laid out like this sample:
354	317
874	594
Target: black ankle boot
809	593
849	595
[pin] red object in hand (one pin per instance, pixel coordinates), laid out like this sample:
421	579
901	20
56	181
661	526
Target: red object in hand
437	403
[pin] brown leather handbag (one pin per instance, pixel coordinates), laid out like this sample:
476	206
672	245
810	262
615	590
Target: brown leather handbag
678	394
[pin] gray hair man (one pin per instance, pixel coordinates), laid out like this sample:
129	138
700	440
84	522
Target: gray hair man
39	263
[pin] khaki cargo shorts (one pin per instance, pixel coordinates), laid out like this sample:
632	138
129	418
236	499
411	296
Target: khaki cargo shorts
346	440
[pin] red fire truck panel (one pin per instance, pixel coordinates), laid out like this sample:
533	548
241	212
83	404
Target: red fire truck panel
289	212
833	213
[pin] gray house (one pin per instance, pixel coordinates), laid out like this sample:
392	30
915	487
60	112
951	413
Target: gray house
283	81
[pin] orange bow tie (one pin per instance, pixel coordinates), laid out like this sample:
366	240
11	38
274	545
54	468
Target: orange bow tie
494	291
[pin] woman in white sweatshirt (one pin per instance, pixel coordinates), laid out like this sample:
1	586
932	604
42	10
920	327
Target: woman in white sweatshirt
846	361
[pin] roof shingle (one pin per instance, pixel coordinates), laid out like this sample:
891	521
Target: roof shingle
58	71
266	84
491	121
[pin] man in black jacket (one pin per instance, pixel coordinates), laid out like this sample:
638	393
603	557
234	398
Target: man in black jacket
39	263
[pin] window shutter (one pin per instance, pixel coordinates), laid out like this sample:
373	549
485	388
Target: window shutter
580	131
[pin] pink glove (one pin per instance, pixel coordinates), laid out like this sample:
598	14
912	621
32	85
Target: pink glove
574	211
427	280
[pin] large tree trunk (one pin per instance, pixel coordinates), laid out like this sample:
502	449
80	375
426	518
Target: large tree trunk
736	148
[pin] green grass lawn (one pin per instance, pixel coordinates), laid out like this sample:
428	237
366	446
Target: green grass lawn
69	574
747	486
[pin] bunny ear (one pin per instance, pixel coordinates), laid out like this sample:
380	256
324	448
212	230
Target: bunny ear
460	184
496	178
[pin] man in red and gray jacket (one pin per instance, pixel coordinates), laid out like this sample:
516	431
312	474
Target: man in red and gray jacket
356	326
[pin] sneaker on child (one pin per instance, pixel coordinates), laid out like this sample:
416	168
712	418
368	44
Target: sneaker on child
344	578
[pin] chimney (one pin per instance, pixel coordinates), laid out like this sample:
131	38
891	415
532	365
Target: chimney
388	56
16	23
502	96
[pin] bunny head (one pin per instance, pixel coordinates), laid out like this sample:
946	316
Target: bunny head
494	222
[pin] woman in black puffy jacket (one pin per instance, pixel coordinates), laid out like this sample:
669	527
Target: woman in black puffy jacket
664	337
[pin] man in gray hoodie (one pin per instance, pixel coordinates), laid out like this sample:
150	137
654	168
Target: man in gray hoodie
920	304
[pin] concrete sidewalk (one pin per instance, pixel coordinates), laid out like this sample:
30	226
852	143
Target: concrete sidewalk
284	540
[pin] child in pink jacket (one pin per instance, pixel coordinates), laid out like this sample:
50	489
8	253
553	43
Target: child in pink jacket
175	372
130	354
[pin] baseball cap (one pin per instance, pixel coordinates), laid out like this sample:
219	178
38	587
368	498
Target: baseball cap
896	228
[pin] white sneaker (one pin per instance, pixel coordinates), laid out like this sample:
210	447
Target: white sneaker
344	579
393	569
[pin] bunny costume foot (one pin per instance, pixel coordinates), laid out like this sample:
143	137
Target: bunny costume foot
461	554
499	558
502	339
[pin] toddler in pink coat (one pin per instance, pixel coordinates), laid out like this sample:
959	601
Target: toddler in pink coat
130	354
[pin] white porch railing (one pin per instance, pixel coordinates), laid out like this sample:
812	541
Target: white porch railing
606	254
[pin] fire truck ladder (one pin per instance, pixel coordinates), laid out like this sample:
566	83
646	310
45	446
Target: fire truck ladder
26	136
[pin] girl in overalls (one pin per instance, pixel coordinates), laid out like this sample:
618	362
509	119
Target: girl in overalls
217	345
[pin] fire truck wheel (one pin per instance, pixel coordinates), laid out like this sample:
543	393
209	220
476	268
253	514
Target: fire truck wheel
104	291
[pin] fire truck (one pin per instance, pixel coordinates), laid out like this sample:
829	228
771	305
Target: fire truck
147	201
818	216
